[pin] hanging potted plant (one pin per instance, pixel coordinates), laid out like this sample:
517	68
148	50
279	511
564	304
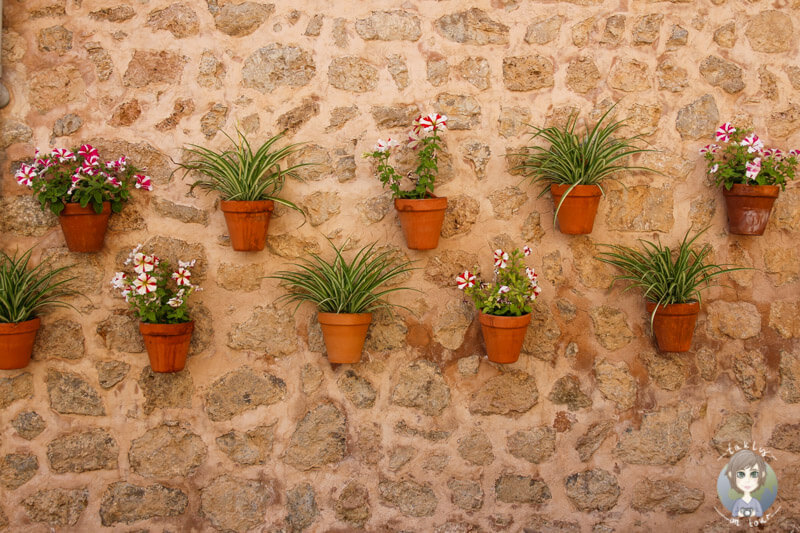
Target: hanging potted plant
82	191
751	176
504	305
24	291
421	213
574	167
249	183
158	294
346	294
672	283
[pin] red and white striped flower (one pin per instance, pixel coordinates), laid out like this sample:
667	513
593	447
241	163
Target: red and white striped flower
773	152
709	148
413	140
182	277
120	280
503	289
144	284
527	250
753	143
143	182
465	280
536	292
433	122
384	146
25	175
113	181
724	132
63	155
175	302
90	154
713	170
794	153
500	258
752	168
144	263
531	273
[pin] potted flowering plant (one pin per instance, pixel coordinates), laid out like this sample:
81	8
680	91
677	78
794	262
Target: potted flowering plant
504	305
421	213
24	291
671	281
82	191
574	167
249	183
345	293
751	176
158	293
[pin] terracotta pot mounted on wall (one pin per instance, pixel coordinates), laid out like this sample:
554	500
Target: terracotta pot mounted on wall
577	213
421	221
749	207
167	345
344	335
504	336
673	325
84	229
16	343
247	223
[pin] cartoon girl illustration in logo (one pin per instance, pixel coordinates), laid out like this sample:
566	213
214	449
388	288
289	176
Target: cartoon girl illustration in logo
746	472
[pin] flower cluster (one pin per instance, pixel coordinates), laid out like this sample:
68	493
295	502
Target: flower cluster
155	290
743	159
514	287
78	176
424	138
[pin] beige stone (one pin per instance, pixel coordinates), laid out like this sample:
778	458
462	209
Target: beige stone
527	73
671	75
178	19
736	320
54	87
629	75
239	20
273	66
148	67
735	429
721	73
725	35
615	383
647	29
352	73
667	496
463	112
394	25
544	30
698	119
663	438
611	327
582	31
749	370
770	31
615	27
513	120
582	75
473	26
783	123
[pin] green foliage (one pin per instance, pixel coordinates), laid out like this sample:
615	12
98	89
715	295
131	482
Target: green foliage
241	173
666	276
573	159
357	286
24	290
514	288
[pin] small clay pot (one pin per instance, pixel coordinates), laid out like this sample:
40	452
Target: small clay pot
344	335
749	207
167	345
577	213
504	336
16	343
84	229
248	223
673	325
421	221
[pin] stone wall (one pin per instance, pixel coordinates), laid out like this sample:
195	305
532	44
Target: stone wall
592	430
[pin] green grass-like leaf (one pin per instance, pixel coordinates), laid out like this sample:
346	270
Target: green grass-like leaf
24	290
666	276
241	173
339	286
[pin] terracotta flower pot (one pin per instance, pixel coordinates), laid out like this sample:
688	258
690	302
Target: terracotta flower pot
247	223
504	336
421	221
749	207
167	345
344	335
577	213
84	230
16	343
673	325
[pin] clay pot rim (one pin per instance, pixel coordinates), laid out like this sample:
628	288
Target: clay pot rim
686	308
247	206
75	209
344	319
166	330
578	191
763	191
433	203
504	322
26	326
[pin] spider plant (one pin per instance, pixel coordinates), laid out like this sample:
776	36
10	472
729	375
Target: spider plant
341	286
666	276
24	290
241	173
574	159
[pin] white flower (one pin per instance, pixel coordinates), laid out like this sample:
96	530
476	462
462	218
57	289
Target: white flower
502	290
713	169
119	281
144	284
175	302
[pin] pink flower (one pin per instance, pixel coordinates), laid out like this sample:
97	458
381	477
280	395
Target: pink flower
753	143
76	177
466	280
182	277
794	153
724	132
25	175
113	181
90	154
502	290
63	155
752	168
118	165
144	283
433	122
526	250
175	302
712	148
500	258
143	182
773	152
